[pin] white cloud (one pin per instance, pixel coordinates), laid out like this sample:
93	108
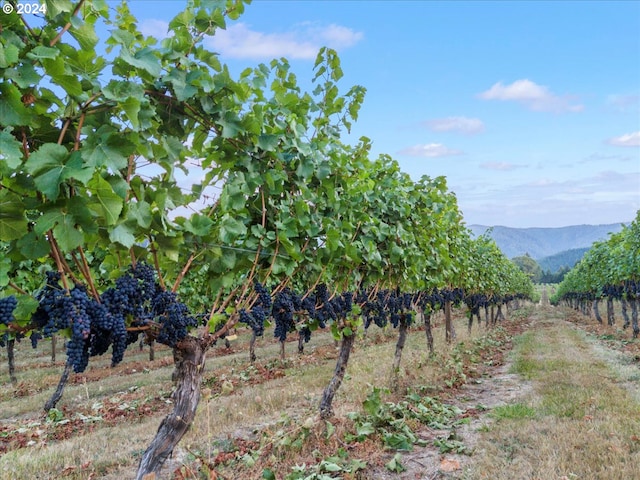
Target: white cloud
500	166
152	27
599	157
604	197
430	150
626	140
533	96
456	124
624	103
240	41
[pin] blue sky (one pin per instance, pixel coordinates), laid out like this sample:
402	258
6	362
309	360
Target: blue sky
530	109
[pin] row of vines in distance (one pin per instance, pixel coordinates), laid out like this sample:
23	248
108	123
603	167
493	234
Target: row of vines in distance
610	270
100	244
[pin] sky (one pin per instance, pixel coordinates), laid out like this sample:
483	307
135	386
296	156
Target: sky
530	109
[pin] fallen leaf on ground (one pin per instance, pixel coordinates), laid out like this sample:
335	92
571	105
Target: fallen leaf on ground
449	465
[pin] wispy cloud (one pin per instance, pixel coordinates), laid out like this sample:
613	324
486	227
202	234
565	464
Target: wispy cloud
151	27
430	150
627	140
464	125
624	103
533	96
599	157
605	197
301	42
501	166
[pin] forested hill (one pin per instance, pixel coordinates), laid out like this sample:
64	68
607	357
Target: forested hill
544	242
566	258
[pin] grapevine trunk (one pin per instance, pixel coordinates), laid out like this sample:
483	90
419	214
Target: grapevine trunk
326	410
57	395
402	337
189	357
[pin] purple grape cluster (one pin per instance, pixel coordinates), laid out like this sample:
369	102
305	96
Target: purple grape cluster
260	311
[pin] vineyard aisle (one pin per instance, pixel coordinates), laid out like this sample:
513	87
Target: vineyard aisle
572	411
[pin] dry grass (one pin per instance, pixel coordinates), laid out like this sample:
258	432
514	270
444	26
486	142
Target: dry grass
586	424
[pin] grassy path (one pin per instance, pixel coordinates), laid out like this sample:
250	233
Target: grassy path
581	422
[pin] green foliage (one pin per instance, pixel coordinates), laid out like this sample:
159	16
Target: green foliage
610	264
529	266
395	423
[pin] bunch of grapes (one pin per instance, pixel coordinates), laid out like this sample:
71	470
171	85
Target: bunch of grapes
176	322
7	306
73	308
260	311
35	338
284	306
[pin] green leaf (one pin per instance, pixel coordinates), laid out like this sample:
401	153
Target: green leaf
56	7
394	464
13	223
373	403
108	202
5	268
199	225
10	149
61	74
27	305
107	148
41	52
365	429
9	55
230	229
121	90
267	474
181	82
33	246
144	59
86	36
268	143
67	235
330	466
12	110
141	212
24	75
131	107
230	124
215	320
52	165
123	235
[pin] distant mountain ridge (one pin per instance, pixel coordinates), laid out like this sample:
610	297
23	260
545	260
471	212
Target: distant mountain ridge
545	242
566	258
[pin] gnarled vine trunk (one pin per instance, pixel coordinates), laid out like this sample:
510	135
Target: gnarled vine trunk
53	349
610	316
625	314
634	317
189	357
395	370
57	395
429	333
252	347
450	332
596	312
326	410
12	361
